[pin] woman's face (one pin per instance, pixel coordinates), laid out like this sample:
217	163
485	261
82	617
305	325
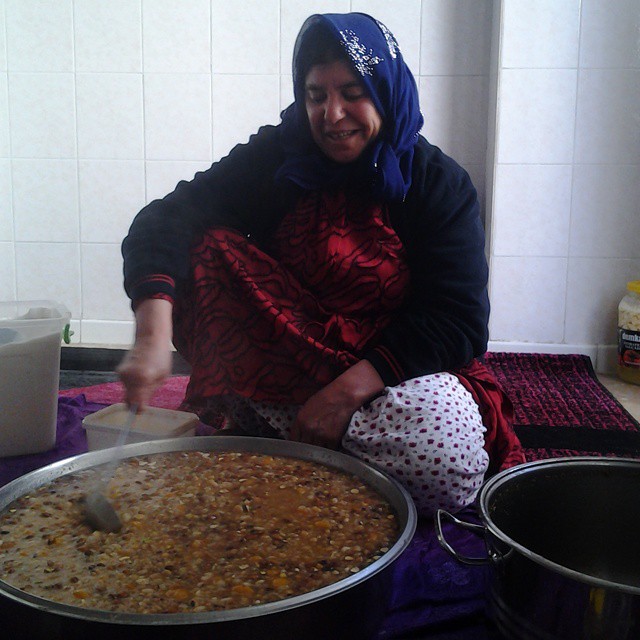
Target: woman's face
342	117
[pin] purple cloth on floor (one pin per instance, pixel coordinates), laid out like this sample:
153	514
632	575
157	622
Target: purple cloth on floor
431	589
70	439
433	594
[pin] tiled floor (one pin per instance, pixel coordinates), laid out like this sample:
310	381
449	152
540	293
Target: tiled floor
72	379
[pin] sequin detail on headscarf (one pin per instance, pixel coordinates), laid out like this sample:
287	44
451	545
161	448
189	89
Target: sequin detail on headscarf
394	47
363	59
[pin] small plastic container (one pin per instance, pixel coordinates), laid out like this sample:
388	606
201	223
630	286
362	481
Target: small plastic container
629	334
30	342
153	423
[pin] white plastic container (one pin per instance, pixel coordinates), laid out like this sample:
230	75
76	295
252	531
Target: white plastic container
153	423
30	342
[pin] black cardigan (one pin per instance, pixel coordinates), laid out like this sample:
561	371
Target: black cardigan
443	323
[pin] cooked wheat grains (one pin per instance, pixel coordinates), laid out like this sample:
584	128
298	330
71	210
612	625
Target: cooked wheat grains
202	531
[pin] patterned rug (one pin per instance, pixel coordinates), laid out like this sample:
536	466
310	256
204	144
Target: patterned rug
561	409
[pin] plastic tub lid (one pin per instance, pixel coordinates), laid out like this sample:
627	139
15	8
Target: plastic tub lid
153	421
33	319
32	311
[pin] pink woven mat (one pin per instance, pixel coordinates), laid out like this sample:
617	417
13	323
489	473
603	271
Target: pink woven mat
168	396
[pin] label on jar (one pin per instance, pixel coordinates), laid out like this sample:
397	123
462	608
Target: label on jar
628	348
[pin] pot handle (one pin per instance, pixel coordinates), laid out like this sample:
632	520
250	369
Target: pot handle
476	528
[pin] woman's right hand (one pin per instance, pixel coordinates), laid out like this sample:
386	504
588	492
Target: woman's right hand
147	365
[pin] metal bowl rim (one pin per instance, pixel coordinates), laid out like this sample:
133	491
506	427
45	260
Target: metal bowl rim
391	489
509	475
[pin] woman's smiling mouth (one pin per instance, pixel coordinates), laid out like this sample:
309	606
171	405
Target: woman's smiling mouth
340	135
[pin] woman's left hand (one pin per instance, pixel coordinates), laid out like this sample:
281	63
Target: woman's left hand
324	417
322	420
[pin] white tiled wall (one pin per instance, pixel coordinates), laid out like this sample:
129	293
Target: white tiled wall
565	234
106	105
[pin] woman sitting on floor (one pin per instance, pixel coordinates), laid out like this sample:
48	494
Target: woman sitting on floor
328	279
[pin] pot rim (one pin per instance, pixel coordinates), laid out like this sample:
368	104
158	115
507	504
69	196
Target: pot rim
390	488
494	483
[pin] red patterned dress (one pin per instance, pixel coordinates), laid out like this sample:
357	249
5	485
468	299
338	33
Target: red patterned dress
265	330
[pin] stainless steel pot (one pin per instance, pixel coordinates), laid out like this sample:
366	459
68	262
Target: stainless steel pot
351	608
563	539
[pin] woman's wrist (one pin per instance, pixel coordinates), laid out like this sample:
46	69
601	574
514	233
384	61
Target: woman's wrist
154	321
359	384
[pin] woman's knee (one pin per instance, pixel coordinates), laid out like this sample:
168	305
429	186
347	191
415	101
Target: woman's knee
428	434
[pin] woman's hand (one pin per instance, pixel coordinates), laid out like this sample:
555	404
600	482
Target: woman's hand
147	365
324	418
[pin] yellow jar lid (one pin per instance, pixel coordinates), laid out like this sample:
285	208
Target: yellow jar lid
634	286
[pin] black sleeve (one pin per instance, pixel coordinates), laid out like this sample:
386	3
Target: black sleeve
444	322
238	192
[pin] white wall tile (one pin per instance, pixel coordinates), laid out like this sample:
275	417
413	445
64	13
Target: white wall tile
286	91
456	37
250	53
527	299
162	177
110	120
103	296
49	271
111	193
455	113
606	359
293	13
4	116
608	116
39	35
108	35
610	33
42	115
532	210
45	200
606	211
544	347
3	38
6	208
245	36
113	332
402	19
540	34
595	287
177	112
7	271
176	36
537	116
234	117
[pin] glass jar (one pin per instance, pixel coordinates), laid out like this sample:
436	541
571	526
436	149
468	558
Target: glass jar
629	334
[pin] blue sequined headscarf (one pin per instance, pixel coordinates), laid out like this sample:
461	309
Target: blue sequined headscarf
375	56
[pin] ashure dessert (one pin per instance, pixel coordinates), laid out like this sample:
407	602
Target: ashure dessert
202	531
